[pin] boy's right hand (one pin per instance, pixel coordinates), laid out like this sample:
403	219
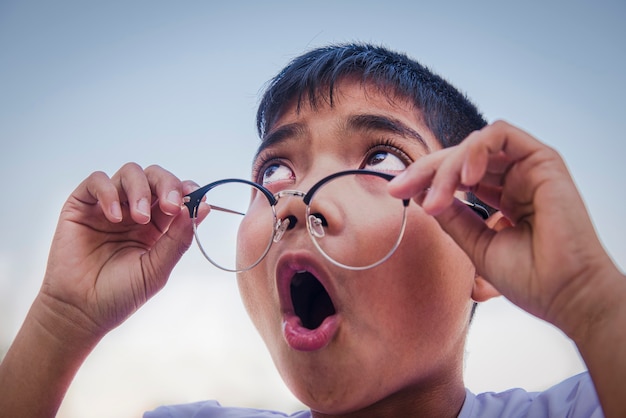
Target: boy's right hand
116	243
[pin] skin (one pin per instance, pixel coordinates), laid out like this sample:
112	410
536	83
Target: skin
118	239
417	302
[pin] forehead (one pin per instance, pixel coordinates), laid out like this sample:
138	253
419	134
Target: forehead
352	107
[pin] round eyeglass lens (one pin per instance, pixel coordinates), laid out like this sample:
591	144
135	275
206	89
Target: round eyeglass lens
216	235
354	221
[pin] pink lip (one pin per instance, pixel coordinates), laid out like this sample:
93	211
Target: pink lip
304	339
297	336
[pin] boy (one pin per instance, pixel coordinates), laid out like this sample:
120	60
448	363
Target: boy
350	337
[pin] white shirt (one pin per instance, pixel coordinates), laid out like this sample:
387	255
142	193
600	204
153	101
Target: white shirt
573	398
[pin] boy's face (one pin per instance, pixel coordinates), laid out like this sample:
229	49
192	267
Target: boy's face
396	327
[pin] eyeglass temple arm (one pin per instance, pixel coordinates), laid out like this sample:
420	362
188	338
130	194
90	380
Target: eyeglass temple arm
480	210
214	207
192	204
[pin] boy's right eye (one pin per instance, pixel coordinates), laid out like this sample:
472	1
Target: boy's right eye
276	172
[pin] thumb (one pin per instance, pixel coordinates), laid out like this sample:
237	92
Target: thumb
469	231
159	262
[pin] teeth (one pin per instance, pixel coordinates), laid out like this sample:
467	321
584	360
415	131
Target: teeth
298	278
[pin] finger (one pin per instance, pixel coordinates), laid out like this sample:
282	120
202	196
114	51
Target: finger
167	188
167	191
501	144
445	183
98	189
491	195
134	190
418	176
483	164
484	158
159	262
203	207
469	231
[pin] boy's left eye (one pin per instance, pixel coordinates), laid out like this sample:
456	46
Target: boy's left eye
382	160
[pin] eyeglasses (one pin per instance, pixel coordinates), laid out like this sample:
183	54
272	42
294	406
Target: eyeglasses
350	217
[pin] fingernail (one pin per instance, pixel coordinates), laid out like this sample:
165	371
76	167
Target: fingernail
143	207
174	197
116	210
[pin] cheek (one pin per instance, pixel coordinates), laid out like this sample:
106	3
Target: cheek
259	299
430	281
361	231
255	233
255	287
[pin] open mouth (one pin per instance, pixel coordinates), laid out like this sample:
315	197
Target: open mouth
311	301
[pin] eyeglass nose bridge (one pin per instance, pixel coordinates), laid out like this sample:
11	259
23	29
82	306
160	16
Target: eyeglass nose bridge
315	222
283	193
289	221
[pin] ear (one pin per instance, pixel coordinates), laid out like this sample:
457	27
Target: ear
483	290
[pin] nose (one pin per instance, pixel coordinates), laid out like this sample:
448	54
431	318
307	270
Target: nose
289	209
290	203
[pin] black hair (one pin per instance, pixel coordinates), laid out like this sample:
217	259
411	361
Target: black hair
312	76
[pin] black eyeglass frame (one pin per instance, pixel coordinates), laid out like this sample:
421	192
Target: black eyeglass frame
192	202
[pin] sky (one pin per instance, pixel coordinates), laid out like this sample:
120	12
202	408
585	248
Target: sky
88	86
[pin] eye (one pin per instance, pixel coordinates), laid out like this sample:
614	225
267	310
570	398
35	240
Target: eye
276	172
386	158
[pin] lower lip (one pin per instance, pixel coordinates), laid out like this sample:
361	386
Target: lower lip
304	339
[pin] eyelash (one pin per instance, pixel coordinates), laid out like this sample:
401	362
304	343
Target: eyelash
388	144
262	162
270	157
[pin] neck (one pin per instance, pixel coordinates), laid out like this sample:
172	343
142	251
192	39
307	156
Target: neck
438	401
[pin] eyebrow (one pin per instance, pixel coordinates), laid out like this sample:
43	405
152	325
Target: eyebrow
292	130
386	124
361	122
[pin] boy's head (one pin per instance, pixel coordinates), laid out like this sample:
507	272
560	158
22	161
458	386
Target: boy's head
385	334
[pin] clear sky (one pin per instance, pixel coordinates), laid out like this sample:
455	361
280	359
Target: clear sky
87	86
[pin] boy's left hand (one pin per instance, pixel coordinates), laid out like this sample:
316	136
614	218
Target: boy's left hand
547	259
543	253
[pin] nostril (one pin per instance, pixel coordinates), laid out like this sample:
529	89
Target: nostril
292	222
283	225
